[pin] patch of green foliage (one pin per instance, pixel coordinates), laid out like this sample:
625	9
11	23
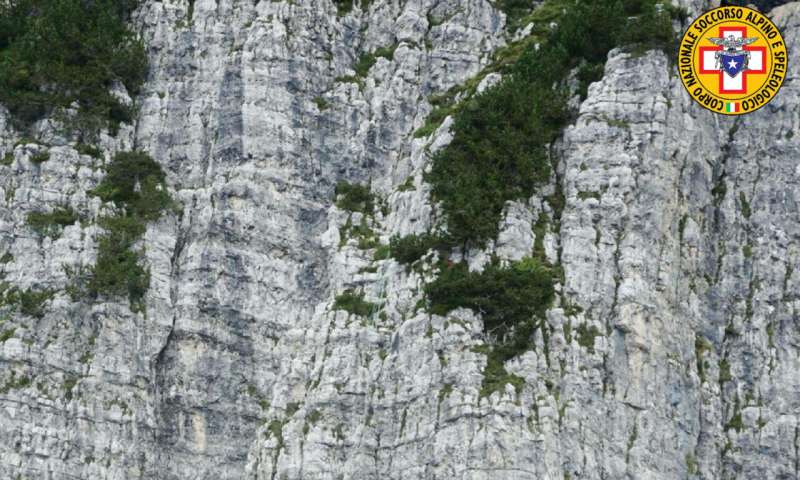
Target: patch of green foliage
735	422
343	7
118	270
54	53
512	300
7	334
495	376
7	159
136	185
15	383
368	60
506	296
516	11
354	303
51	224
382	252
745	205
91	150
39	158
409	249
724	371
501	137
321	103
586	335
407	186
354	197
29	302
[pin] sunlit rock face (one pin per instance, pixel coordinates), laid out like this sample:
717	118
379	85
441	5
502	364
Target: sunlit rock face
671	349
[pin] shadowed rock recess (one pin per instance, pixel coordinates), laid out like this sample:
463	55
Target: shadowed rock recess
236	264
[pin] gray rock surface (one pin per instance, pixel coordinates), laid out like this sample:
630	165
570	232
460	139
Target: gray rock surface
241	368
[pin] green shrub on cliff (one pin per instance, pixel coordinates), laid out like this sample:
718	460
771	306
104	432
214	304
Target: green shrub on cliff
136	185
54	53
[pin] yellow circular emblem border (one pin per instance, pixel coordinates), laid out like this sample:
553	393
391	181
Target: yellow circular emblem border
774	60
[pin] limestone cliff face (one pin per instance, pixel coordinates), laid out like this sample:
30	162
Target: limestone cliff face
679	240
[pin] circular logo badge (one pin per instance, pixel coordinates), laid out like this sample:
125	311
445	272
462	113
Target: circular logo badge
732	60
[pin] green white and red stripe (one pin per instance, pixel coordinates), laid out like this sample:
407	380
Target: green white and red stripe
732	107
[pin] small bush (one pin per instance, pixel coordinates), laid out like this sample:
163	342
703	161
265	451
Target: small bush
382	252
368	60
354	197
135	182
7	159
7	334
409	249
90	150
353	303
118	270
51	224
505	296
321	103
40	157
343	7
29	302
586	335
511	301
495	376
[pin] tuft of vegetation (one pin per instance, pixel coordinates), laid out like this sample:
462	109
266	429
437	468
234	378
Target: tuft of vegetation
724	371
367	61
321	103
136	185
91	150
7	334
382	252
735	423
55	53
354	303
586	336
343	7
51	224
15	383
495	376
354	197
118	270
409	249
7	159
745	205
512	299
28	302
39	158
508	297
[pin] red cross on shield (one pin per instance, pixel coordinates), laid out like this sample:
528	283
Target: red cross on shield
738	82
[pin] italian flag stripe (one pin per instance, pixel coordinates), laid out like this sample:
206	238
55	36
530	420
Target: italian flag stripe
732	107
